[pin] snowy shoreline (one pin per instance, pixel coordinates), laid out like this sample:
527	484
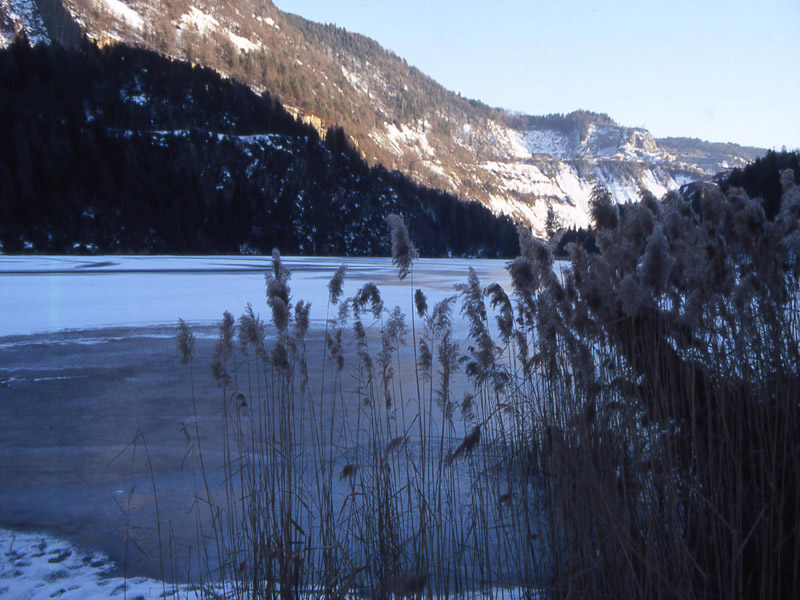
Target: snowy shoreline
36	566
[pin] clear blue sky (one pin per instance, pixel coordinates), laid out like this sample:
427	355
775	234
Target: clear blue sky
721	71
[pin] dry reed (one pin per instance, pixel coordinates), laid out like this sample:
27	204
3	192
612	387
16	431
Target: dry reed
629	426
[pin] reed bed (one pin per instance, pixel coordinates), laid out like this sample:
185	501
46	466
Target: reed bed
625	426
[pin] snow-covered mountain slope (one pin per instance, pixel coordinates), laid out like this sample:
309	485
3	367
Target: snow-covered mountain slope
524	170
399	117
21	16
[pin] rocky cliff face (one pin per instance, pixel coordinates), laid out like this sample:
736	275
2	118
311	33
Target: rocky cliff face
394	114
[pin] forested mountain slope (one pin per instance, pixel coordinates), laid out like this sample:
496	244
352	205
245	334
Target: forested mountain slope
122	150
394	114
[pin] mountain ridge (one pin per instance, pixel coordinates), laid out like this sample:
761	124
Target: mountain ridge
518	165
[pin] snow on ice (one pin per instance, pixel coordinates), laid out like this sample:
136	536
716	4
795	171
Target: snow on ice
36	566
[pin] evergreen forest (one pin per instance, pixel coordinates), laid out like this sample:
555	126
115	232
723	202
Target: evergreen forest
120	150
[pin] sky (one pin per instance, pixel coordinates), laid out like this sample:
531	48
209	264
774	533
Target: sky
720	71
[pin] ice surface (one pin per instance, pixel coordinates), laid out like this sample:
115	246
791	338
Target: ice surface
54	293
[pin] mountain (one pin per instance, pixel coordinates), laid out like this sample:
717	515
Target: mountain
120	149
395	115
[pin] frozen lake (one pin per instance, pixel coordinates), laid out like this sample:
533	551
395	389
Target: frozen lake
55	293
88	359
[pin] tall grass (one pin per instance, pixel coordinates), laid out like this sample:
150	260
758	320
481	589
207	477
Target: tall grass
668	390
623	426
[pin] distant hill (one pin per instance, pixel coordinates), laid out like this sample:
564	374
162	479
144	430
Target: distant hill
762	178
394	114
709	155
122	150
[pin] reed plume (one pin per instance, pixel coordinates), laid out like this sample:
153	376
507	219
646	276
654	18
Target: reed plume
185	343
403	251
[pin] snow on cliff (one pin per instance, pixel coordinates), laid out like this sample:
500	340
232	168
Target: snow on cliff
21	16
125	13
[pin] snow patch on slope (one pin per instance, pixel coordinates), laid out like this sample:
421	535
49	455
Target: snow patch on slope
267	20
602	141
510	141
598	141
412	143
355	80
400	139
243	44
532	190
25	17
523	190
200	20
205	23
655	186
520	177
576	191
547	141
125	13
